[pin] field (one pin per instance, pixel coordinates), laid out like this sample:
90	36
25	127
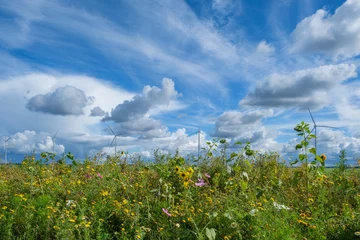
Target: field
244	195
258	197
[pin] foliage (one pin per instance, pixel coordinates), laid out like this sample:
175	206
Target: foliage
242	195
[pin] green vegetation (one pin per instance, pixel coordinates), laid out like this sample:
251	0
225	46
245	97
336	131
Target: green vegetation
247	195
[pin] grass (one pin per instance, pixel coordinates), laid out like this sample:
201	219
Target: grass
242	197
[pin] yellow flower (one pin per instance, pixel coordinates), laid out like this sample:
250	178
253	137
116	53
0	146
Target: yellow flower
323	157
192	209
72	220
4	208
177	169
183	174
56	227
303	222
190	170
104	193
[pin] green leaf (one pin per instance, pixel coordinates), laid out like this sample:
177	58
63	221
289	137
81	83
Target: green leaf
249	152
238	143
70	156
210	233
244	184
294	162
222	141
312	150
302	157
43	155
298	146
298	128
232	155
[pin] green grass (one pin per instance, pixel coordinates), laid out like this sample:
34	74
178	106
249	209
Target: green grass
248	199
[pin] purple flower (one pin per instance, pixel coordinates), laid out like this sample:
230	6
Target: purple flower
207	175
88	176
99	175
200	183
166	212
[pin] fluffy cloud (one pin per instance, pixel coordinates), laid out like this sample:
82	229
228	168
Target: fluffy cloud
142	127
265	48
140	105
335	35
97	112
132	117
331	142
28	141
15	93
64	101
244	126
302	89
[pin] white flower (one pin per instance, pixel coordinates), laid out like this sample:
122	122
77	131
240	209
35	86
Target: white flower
69	202
245	175
279	206
253	212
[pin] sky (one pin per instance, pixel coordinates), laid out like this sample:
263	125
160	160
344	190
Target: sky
158	71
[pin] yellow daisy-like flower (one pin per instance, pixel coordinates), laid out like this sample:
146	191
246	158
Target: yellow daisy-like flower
323	157
104	193
183	174
190	171
177	169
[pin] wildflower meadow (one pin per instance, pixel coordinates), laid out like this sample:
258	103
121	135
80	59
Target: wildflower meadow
242	195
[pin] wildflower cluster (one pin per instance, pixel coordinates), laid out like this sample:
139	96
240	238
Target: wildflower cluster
254	196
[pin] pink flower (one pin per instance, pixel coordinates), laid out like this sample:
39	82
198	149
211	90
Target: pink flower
99	175
200	183
207	175
166	212
88	176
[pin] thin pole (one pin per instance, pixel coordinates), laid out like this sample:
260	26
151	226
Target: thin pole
199	144
5	146
315	140
115	146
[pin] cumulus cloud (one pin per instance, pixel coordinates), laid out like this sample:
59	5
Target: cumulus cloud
265	48
64	101
28	141
331	142
132	116
302	89
142	127
334	35
244	126
97	112
137	107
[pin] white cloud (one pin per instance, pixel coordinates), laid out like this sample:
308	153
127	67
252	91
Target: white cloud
331	142
132	116
243	126
66	100
303	89
16	91
28	141
265	48
335	35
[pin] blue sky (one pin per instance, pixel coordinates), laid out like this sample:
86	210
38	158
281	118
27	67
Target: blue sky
156	71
